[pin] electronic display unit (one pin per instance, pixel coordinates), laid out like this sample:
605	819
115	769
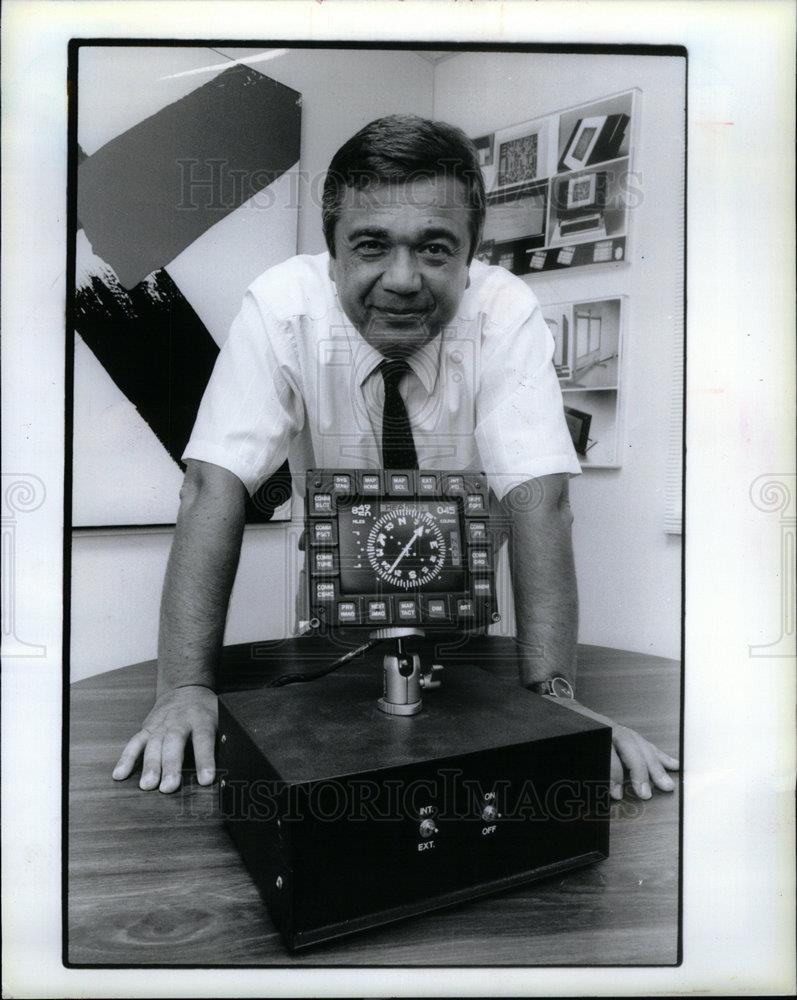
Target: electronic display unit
399	548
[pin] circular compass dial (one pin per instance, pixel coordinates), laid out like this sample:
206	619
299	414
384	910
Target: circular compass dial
406	547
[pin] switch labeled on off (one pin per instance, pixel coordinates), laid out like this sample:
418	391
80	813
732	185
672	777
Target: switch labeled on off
489	813
427	828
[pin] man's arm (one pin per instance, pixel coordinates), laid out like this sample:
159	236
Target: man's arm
196	593
546	611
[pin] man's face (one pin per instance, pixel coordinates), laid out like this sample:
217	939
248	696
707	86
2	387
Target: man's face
401	260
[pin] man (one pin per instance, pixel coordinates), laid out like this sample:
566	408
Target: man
397	315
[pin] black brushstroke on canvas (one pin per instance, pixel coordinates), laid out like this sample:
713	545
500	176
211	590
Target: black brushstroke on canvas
149	193
159	353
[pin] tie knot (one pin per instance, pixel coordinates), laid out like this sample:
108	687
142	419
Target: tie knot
393	369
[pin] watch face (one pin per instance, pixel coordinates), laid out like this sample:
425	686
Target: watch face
561	687
401	545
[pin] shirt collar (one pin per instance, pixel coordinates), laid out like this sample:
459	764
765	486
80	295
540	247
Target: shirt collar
425	362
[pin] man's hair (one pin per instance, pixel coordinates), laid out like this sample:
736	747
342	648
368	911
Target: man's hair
404	148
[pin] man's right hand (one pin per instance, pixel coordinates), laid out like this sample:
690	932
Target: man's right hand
177	715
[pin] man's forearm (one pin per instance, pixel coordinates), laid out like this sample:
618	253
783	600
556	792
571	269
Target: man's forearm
543	578
199	578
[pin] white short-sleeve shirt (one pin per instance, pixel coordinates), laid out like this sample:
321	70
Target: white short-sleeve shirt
296	380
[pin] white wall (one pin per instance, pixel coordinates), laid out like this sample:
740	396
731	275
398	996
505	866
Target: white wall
117	576
628	568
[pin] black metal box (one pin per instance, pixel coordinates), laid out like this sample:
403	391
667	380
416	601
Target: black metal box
348	818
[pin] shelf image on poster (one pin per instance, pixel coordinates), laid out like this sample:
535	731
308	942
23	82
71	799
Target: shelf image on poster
578	164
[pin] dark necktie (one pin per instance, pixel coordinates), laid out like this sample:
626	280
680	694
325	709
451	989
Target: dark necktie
398	447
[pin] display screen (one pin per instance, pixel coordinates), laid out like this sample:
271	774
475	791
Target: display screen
515	216
401	546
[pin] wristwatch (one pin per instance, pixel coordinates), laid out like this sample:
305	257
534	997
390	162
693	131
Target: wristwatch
557	687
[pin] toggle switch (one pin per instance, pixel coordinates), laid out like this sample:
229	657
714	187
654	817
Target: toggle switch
427	828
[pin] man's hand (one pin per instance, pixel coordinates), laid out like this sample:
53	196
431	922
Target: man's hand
177	715
632	752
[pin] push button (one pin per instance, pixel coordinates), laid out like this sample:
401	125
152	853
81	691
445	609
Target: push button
377	611
325	562
479	559
347	611
482	587
322	531
370	483
342	484
477	531
399	483
436	608
322	503
324	592
455	485
408	611
474	502
428	484
464	609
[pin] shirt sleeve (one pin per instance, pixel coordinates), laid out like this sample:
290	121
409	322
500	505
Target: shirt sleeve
521	431
252	406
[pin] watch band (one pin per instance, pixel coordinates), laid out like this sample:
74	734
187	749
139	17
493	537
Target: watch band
557	687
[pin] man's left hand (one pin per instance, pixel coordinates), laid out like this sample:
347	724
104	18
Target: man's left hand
631	752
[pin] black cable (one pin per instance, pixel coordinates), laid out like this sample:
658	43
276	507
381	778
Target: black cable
284	679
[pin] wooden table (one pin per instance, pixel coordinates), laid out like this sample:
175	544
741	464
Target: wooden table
154	879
